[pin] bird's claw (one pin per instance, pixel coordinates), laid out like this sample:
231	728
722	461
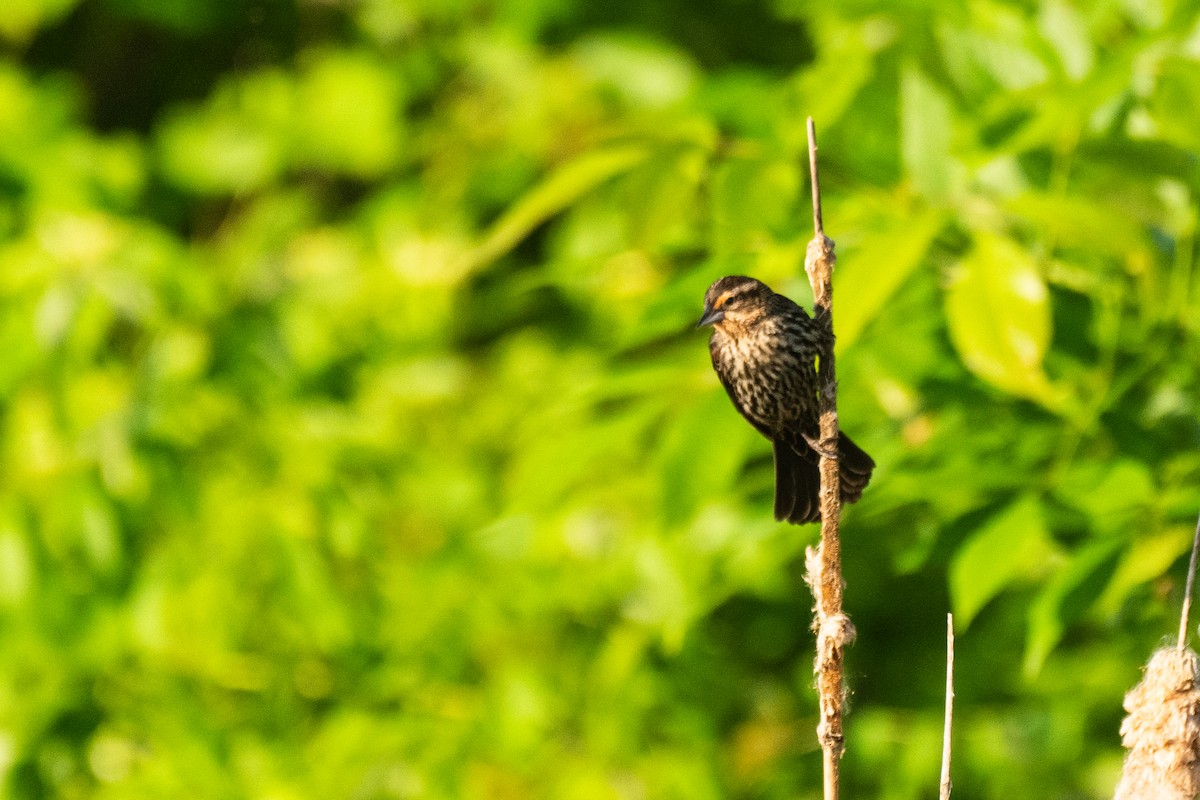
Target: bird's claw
819	448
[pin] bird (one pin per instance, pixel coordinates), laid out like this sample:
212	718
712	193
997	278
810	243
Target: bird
764	349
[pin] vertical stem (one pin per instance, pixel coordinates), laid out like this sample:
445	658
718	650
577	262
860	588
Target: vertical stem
944	793
1187	592
834	630
831	769
818	223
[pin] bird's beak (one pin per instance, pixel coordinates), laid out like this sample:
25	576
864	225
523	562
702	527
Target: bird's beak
711	316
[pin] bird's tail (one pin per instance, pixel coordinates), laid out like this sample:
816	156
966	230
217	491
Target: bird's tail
856	468
798	480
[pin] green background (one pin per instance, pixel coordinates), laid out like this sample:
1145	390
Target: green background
355	441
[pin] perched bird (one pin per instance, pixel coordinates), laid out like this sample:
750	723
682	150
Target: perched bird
764	348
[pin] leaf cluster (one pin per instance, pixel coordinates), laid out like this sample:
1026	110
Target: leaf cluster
355	442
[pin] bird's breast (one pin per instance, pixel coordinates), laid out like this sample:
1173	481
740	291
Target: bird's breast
766	374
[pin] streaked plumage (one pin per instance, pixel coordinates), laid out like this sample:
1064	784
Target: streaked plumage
764	348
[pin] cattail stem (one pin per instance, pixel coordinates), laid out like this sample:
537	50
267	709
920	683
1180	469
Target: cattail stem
824	566
1187	592
818	222
944	792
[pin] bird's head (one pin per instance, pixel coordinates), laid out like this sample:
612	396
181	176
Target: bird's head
735	303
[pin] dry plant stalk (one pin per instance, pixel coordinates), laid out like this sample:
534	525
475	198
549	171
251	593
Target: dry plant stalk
824	565
1187	592
944	789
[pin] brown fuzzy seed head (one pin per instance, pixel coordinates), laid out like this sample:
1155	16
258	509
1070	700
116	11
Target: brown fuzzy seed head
1162	731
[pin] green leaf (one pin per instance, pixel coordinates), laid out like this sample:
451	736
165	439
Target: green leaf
1004	57
1110	492
642	70
1064	27
752	199
703	452
346	115
1148	557
869	275
552	195
237	141
1012	546
18	570
663	195
1077	221
1177	90
21	19
844	65
925	133
998	311
1072	591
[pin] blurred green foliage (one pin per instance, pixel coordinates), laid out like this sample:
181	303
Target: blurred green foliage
356	442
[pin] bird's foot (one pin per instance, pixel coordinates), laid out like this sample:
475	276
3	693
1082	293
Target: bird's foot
819	448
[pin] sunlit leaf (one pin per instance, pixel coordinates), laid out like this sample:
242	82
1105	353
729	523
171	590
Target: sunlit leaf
553	195
1064	27
926	118
1002	54
1072	591
1111	491
22	18
664	197
1178	89
1083	222
844	65
998	310
702	454
643	71
348	114
1013	546
237	142
17	567
299	500
1148	558
751	199
869	275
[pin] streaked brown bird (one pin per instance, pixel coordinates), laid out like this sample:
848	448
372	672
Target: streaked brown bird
764	348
